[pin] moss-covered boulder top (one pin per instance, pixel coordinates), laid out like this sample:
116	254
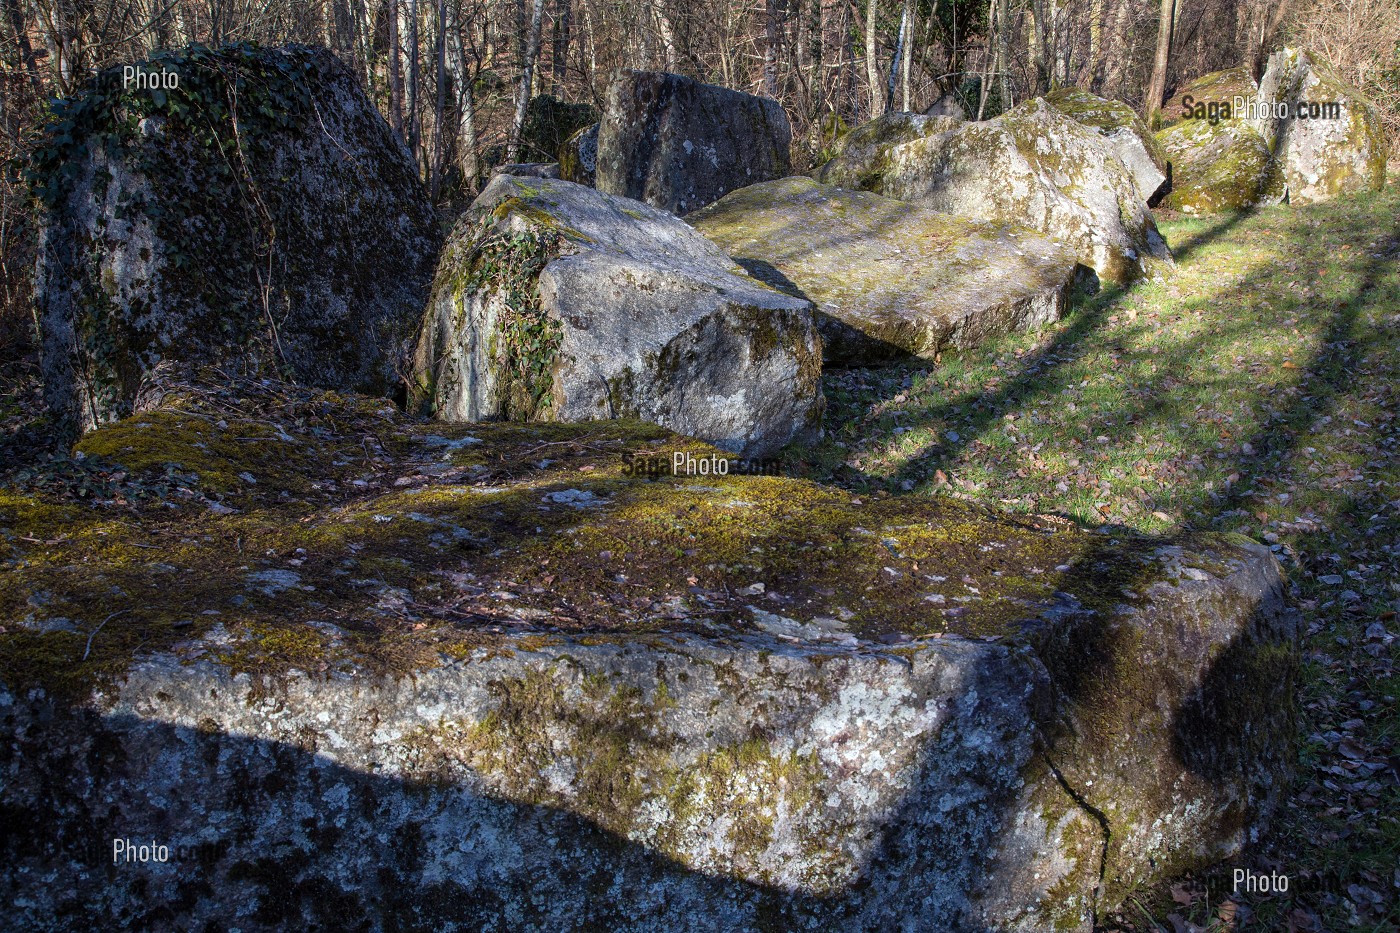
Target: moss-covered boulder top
317	529
242	206
1124	130
890	278
556	302
1217	87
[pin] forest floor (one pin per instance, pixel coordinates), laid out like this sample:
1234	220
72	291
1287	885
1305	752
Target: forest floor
1257	390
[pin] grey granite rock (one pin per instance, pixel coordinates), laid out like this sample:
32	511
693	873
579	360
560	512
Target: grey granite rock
678	144
557	302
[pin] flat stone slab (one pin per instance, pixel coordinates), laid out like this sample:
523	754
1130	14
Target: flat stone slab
890	279
501	676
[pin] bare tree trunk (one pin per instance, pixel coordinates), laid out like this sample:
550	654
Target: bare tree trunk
992	61
894	66
906	31
466	105
770	48
527	77
872	62
1157	86
563	27
415	123
395	72
1003	12
439	103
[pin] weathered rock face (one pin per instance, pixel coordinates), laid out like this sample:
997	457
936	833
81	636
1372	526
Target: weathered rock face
841	715
678	144
301	242
1124	131
557	302
528	169
549	122
1219	165
889	278
1032	166
578	158
1327	135
863	154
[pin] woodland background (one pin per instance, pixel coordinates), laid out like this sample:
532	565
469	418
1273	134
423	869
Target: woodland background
453	76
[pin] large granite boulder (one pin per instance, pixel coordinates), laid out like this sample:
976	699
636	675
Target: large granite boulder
557	302
678	144
1032	166
534	677
1327	135
1220	162
290	236
889	278
1218	166
1124	131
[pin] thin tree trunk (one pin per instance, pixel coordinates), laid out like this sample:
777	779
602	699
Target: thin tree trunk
395	72
415	124
894	66
527	77
906	31
1157	86
872	63
466	106
992	61
770	48
563	25
1003	12
439	104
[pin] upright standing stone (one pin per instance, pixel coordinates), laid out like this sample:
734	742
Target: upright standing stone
1327	135
678	144
257	215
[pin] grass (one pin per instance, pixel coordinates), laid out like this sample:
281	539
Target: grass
1255	391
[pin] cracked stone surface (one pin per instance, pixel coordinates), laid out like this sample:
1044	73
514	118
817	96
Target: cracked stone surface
508	679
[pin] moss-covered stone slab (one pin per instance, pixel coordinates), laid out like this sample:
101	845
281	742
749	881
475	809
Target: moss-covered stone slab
890	279
1032	166
259	215
556	302
678	144
1125	131
503	676
1220	166
1327	134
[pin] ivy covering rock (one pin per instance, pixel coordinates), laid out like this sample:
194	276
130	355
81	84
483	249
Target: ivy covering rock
556	302
260	216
